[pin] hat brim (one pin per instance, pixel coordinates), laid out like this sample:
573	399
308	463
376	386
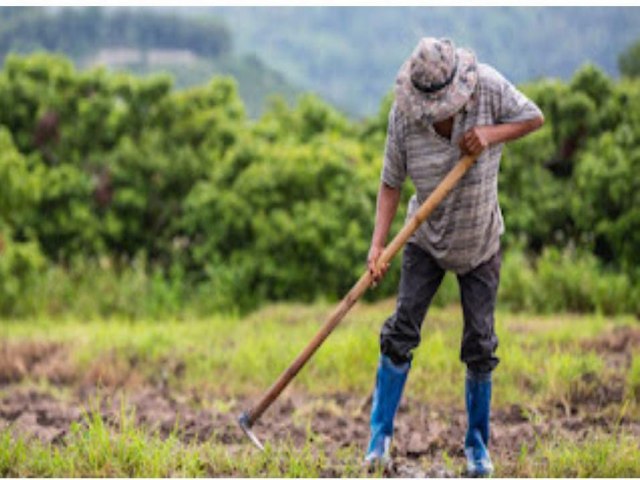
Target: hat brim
443	104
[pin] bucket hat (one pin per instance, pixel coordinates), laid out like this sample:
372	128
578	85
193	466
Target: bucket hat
436	81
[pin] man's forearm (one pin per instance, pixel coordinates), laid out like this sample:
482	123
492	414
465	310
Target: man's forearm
476	139
386	208
506	132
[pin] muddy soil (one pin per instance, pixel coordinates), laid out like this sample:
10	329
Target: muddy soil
424	433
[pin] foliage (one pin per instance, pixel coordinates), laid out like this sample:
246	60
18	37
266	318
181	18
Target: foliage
21	264
20	189
570	185
182	197
607	203
567	281
629	60
20	257
278	217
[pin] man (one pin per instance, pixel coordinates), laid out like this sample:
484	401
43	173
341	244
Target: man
446	105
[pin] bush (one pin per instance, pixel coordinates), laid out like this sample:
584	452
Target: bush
293	223
193	206
564	280
21	264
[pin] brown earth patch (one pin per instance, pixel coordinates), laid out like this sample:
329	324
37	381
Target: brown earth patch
594	393
34	414
51	361
112	370
618	340
616	346
36	359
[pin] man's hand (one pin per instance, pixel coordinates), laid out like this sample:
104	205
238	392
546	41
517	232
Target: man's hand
374	253
388	199
475	140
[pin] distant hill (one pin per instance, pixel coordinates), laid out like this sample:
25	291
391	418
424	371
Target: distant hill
80	32
350	55
144	41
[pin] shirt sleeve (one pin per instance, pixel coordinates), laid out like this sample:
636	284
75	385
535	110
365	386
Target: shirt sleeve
514	106
394	169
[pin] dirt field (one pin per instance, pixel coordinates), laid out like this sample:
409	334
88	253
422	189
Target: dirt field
428	438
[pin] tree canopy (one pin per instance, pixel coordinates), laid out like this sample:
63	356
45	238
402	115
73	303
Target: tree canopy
96	165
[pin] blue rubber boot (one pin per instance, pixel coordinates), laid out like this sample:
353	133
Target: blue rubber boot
476	443
390	380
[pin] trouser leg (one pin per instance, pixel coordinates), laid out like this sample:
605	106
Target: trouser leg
419	280
478	293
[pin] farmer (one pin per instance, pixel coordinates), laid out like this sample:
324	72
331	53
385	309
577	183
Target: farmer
446	105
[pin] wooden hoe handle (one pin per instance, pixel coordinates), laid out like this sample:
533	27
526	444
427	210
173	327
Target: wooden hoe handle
359	288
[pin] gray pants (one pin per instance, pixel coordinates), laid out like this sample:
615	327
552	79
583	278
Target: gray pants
420	278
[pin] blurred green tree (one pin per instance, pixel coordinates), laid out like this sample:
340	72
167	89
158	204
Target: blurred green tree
629	60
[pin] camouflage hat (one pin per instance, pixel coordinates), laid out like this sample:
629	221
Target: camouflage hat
436	81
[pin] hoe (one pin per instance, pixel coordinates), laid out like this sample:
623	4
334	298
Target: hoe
248	418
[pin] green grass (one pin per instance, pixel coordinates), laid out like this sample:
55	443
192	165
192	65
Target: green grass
633	380
597	456
98	451
542	360
540	356
95	450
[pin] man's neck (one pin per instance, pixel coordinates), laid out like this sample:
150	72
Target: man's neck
444	128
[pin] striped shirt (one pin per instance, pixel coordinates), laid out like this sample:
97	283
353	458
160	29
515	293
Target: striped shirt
464	230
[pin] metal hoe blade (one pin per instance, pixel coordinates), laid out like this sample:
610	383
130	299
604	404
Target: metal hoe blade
245	424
